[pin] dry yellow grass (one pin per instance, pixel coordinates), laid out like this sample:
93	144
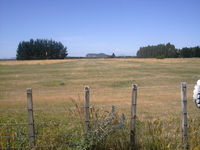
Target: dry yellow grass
34	62
110	81
147	60
56	82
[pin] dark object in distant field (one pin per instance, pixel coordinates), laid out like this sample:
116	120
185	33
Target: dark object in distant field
62	83
160	57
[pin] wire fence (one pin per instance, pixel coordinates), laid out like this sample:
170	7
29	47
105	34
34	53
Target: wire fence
150	104
67	91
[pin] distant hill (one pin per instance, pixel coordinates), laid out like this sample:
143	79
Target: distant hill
11	58
100	55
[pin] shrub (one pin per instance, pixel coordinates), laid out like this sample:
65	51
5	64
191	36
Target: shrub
160	57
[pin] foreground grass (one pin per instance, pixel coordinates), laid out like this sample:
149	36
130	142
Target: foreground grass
68	133
56	82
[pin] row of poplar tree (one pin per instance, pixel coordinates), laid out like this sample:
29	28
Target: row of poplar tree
167	51
41	49
50	49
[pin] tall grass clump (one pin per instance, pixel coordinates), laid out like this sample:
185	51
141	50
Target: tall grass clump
108	129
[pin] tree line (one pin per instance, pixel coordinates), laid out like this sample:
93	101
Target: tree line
189	52
50	49
41	49
167	51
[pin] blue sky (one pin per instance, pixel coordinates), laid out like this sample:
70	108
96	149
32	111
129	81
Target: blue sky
86	26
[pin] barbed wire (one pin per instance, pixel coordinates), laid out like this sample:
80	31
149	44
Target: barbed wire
54	135
38	146
12	100
140	96
172	117
51	135
40	123
64	109
13	148
12	124
168	136
9	136
12	109
36	135
9	91
67	134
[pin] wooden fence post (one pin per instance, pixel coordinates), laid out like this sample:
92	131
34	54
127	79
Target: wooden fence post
133	116
30	118
184	116
86	108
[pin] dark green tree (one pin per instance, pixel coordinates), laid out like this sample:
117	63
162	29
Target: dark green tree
190	52
113	55
186	52
196	51
161	50
41	49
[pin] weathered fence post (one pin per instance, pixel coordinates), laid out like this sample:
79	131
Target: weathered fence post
30	118
86	108
133	116
184	116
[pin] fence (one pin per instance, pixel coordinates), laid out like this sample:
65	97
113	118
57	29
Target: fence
142	98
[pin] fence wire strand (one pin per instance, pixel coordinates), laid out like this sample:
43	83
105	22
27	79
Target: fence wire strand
67	91
92	92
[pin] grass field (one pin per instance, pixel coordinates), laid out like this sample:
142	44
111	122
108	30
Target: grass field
57	84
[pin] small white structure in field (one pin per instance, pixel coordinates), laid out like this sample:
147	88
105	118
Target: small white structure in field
196	94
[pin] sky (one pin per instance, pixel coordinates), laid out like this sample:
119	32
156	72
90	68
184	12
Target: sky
94	26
